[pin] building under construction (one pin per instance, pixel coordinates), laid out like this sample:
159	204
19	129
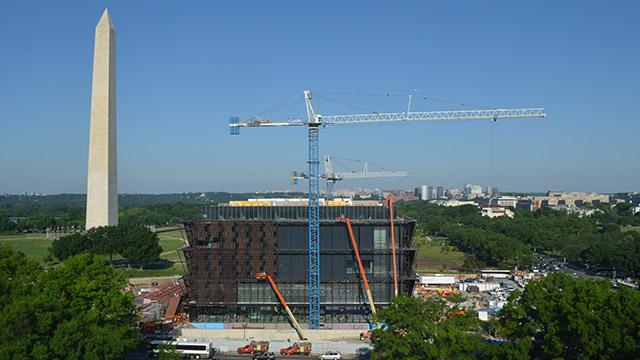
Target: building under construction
233	243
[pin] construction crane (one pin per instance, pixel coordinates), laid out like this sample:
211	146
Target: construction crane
331	176
314	121
294	322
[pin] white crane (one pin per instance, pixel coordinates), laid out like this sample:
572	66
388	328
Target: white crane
331	176
314	121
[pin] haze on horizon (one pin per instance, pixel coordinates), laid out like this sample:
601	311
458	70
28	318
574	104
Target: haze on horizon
182	70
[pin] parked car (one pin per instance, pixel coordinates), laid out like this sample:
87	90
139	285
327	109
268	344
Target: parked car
264	356
331	355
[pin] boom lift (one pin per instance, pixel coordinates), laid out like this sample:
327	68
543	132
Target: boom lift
314	121
393	247
360	267
265	276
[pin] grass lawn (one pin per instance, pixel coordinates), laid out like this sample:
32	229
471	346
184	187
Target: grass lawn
35	246
437	256
176	269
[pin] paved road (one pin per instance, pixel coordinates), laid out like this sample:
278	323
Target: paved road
551	264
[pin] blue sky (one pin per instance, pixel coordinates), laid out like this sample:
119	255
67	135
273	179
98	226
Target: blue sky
184	67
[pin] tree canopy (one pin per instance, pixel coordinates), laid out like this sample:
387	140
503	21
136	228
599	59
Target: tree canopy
415	330
76	310
558	317
135	243
36	213
594	241
565	318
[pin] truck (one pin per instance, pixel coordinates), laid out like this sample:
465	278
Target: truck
298	348
254	347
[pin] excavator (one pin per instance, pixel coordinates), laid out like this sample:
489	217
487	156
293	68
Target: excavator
294	322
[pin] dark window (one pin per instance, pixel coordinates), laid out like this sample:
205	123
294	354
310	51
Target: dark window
191	347
352	266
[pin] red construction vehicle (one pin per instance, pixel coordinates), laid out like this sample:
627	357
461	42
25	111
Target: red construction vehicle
294	322
254	347
302	348
156	326
364	336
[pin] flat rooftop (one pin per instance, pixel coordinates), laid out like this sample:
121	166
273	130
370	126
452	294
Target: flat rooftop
227	212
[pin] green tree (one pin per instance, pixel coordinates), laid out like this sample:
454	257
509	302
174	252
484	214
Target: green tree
140	245
417	329
74	311
135	243
105	240
69	245
561	317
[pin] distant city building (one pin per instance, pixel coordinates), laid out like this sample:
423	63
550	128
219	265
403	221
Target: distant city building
632	197
525	203
424	192
406	195
491	191
453	202
472	191
508	201
493	211
576	210
453	193
577	199
429	192
439	192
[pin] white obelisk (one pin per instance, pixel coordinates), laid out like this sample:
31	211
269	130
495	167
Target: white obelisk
102	179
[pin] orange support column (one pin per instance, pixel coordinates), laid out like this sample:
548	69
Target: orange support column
362	273
393	247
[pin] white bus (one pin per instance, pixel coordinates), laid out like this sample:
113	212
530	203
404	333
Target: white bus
187	350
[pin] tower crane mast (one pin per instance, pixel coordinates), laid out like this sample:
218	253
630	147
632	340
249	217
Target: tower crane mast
314	121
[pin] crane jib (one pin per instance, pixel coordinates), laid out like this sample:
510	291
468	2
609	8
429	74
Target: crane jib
404	116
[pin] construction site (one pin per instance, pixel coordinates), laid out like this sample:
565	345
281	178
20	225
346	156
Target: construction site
313	270
234	243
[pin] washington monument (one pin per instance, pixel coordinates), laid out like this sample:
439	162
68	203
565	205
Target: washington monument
102	179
